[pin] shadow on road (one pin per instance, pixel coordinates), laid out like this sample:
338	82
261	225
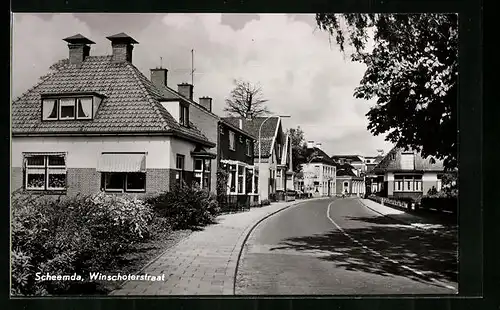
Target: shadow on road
433	254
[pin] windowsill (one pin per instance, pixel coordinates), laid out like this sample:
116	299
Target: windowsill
45	191
407	191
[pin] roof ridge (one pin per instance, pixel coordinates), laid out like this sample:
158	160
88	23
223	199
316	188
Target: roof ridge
153	102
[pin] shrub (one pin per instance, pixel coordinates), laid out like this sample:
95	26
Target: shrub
71	235
266	202
186	207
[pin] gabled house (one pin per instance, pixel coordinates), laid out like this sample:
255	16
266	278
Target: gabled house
371	179
274	157
99	124
236	156
318	174
405	173
356	161
181	102
348	182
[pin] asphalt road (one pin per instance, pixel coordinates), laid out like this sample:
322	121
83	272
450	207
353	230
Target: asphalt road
339	247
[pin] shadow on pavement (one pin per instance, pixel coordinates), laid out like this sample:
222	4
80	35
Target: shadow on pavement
434	255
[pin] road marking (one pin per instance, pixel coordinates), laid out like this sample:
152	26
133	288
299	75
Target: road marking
435	281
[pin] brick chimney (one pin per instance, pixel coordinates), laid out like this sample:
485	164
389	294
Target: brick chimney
186	90
240	123
310	144
206	102
159	76
122	46
79	48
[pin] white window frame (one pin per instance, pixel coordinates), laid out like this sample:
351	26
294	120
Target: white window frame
124	188
401	185
68	101
204	172
46	169
180	171
65	102
240	179
79	100
55	105
232	140
231	168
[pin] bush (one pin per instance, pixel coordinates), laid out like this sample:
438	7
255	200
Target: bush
71	235
265	202
186	207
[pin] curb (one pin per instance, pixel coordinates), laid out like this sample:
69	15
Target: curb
400	220
248	232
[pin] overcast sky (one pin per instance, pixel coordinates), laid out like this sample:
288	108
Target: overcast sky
301	73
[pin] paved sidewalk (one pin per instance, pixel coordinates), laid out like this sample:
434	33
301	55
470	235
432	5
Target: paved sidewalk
205	262
399	215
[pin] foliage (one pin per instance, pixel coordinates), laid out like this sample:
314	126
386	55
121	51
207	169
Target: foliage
246	100
186	207
298	147
265	202
412	72
222	178
64	236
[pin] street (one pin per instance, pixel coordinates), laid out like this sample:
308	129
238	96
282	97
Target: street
338	246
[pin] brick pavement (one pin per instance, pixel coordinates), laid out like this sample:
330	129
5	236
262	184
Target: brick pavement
205	262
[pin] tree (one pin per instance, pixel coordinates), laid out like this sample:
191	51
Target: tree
298	147
412	72
246	100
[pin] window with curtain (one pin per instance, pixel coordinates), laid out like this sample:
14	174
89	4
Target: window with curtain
45	172
74	108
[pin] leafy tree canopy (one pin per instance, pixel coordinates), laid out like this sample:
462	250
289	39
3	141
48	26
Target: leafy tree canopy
298	147
412	72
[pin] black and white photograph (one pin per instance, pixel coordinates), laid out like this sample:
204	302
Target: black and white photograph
234	154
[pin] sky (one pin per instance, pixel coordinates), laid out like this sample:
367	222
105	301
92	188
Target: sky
301	72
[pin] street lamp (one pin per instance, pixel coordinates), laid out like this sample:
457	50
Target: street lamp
260	151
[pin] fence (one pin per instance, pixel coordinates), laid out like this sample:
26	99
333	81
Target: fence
438	204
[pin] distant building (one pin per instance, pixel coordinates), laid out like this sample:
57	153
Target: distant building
318	175
405	173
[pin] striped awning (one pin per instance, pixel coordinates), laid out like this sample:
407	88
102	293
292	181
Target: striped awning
122	163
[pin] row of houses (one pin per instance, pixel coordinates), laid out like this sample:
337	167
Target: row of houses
99	124
400	173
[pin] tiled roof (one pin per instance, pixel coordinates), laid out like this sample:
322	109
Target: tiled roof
347	157
252	126
325	159
169	93
130	105
392	162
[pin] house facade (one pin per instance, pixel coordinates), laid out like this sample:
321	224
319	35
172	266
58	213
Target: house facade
373	181
199	113
358	162
236	155
348	182
404	173
318	176
274	161
98	124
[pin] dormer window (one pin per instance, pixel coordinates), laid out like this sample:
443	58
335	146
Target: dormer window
184	115
79	108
